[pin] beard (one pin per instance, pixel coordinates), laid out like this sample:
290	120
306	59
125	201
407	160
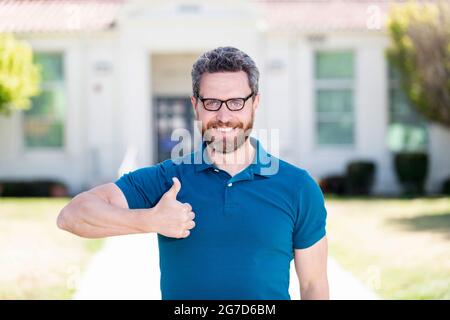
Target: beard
235	133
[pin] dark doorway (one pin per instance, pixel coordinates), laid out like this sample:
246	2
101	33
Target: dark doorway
171	113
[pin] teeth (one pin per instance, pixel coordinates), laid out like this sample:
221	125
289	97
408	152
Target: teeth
224	129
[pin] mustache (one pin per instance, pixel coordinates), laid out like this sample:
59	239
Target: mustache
231	124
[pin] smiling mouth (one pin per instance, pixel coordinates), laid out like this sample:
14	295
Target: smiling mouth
224	129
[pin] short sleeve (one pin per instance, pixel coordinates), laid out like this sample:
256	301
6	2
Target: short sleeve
311	216
143	187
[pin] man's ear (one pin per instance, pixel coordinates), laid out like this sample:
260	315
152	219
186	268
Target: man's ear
255	102
194	105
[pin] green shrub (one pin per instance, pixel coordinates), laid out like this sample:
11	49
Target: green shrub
446	187
360	177
36	188
333	184
411	169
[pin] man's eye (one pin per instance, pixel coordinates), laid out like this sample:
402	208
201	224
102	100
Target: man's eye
212	103
235	102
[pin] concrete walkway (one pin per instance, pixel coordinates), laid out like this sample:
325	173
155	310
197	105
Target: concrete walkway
128	268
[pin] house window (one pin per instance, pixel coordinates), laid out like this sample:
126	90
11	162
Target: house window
334	98
43	123
407	129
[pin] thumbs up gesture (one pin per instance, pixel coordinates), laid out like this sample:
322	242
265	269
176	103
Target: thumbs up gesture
173	218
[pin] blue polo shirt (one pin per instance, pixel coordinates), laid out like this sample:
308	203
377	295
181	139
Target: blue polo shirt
247	226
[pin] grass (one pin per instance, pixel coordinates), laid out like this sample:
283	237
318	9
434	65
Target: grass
400	248
38	260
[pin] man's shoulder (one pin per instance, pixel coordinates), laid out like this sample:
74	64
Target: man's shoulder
165	166
296	175
288	169
179	163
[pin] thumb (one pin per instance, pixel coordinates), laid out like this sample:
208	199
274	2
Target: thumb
173	191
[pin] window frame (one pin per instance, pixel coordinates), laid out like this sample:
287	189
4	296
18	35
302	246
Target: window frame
333	84
49	84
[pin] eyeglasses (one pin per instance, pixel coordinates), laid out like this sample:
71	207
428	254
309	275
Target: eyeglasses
233	104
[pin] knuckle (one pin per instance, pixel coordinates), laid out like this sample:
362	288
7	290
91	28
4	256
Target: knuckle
189	225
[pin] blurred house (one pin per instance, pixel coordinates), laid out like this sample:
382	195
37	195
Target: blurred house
117	82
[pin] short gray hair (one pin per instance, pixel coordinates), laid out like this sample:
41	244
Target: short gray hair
224	59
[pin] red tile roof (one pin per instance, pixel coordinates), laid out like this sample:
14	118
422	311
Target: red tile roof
322	15
88	15
57	15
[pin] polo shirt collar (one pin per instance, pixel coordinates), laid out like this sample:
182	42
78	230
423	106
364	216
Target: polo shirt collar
259	166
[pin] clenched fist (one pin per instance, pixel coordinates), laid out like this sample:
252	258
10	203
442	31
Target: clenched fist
173	218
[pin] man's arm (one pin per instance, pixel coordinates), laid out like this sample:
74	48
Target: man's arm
100	212
103	212
311	267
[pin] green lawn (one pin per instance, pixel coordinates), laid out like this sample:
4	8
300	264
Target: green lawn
38	260
398	247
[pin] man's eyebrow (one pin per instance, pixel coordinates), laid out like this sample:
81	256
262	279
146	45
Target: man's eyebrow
230	97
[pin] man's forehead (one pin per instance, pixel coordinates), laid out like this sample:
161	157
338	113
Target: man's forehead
224	84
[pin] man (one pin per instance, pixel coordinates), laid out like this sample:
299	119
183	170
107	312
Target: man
251	217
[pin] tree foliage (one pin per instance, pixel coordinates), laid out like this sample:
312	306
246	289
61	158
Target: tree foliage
19	75
420	51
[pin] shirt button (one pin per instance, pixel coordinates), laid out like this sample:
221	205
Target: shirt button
216	170
230	184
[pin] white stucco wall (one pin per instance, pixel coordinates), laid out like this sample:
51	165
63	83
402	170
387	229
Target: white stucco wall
110	83
439	162
103	118
88	155
19	162
168	28
288	105
289	102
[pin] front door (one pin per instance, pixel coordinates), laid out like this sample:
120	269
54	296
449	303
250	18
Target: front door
171	113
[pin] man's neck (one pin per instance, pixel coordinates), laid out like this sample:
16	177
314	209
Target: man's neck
233	162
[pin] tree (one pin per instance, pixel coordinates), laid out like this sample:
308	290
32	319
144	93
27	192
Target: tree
420	51
19	76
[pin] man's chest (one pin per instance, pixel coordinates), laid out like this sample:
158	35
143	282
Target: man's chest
236	217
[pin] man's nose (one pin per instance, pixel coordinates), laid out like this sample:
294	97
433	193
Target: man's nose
223	114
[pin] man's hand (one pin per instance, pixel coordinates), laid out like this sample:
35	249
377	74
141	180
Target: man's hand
172	218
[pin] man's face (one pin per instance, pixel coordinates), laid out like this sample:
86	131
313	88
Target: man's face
225	130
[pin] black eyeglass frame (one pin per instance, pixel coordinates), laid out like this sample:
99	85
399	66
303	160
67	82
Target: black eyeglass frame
244	100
